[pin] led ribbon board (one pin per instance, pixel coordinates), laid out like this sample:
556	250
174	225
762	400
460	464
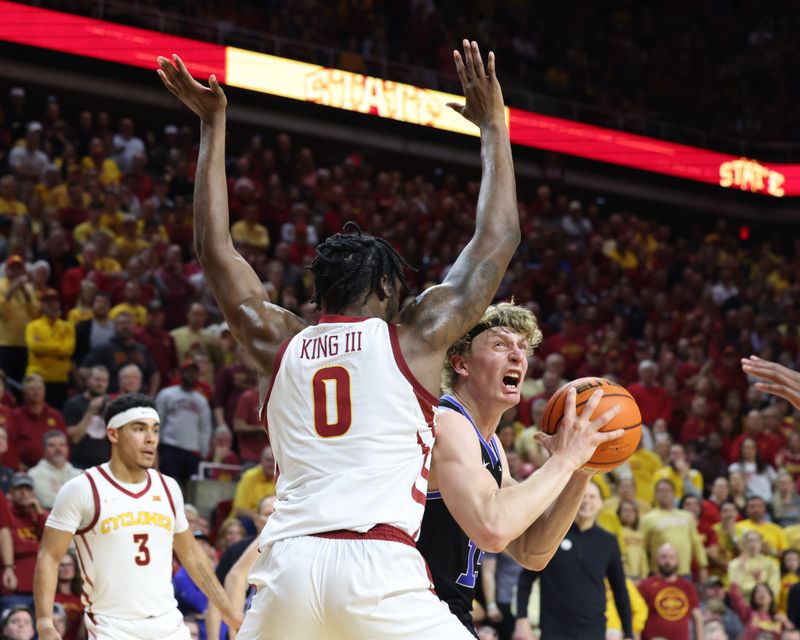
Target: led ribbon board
77	35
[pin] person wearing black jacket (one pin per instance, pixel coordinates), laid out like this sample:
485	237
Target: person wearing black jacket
573	596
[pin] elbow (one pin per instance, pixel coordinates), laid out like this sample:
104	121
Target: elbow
535	563
492	538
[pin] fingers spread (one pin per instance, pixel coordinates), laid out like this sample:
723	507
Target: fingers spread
569	408
166	82
179	64
478	61
603	420
460	70
588	410
607	436
468	60
458	108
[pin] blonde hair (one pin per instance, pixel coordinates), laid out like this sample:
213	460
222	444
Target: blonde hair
504	315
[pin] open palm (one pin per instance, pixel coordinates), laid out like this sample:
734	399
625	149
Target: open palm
206	102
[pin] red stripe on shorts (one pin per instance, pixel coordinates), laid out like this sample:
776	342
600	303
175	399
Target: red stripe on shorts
378	532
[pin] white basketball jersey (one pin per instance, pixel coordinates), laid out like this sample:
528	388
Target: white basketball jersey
351	430
125	552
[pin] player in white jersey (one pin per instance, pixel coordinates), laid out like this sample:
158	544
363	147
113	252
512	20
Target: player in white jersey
350	413
125	519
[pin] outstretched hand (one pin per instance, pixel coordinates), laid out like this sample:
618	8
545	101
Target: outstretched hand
579	436
206	102
484	98
778	380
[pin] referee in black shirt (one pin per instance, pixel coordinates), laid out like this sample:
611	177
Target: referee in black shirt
573	596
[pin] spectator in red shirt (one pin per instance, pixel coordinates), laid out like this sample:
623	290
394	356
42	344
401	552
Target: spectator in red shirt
697	426
69	596
230	383
728	372
158	342
752	427
32	420
653	400
71	282
788	457
594	366
174	287
248	426
27	527
671	601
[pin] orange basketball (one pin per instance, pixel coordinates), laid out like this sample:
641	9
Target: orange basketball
608	455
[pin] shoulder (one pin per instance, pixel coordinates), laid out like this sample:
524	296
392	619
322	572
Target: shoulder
172	485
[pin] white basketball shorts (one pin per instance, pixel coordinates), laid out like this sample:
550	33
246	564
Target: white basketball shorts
166	627
318	588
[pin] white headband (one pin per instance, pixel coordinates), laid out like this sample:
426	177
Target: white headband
131	415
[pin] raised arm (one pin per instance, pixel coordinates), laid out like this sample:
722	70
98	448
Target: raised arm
442	314
257	325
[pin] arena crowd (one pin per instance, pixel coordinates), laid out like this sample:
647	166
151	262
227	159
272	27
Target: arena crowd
101	294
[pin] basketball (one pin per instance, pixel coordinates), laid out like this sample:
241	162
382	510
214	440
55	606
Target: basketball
608	455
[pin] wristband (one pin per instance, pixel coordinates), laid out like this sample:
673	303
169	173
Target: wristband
9	566
491	603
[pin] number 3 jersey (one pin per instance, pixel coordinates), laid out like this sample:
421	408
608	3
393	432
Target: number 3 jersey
453	559
351	430
123	540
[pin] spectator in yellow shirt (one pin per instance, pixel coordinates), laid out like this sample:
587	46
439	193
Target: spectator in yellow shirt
727	538
683	478
18	306
792	534
254	484
248	232
132	305
9	205
129	242
85	231
43	192
51	343
773	536
85	303
631	542
666	524
754	566
104	261
644	464
107	169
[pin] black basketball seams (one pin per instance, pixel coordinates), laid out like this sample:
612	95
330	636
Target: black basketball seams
580	404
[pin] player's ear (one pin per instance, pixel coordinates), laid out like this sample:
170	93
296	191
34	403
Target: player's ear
113	435
458	364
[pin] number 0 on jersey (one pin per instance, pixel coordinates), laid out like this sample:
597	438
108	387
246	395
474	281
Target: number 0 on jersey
332	402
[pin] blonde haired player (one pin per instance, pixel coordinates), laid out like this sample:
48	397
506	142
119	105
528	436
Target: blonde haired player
474	505
126	519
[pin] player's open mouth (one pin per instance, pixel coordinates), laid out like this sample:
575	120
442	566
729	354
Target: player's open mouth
511	380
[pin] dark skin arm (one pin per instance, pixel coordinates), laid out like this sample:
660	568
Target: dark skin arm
444	313
258	325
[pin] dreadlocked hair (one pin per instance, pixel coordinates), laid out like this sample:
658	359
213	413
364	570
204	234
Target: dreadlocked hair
350	265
